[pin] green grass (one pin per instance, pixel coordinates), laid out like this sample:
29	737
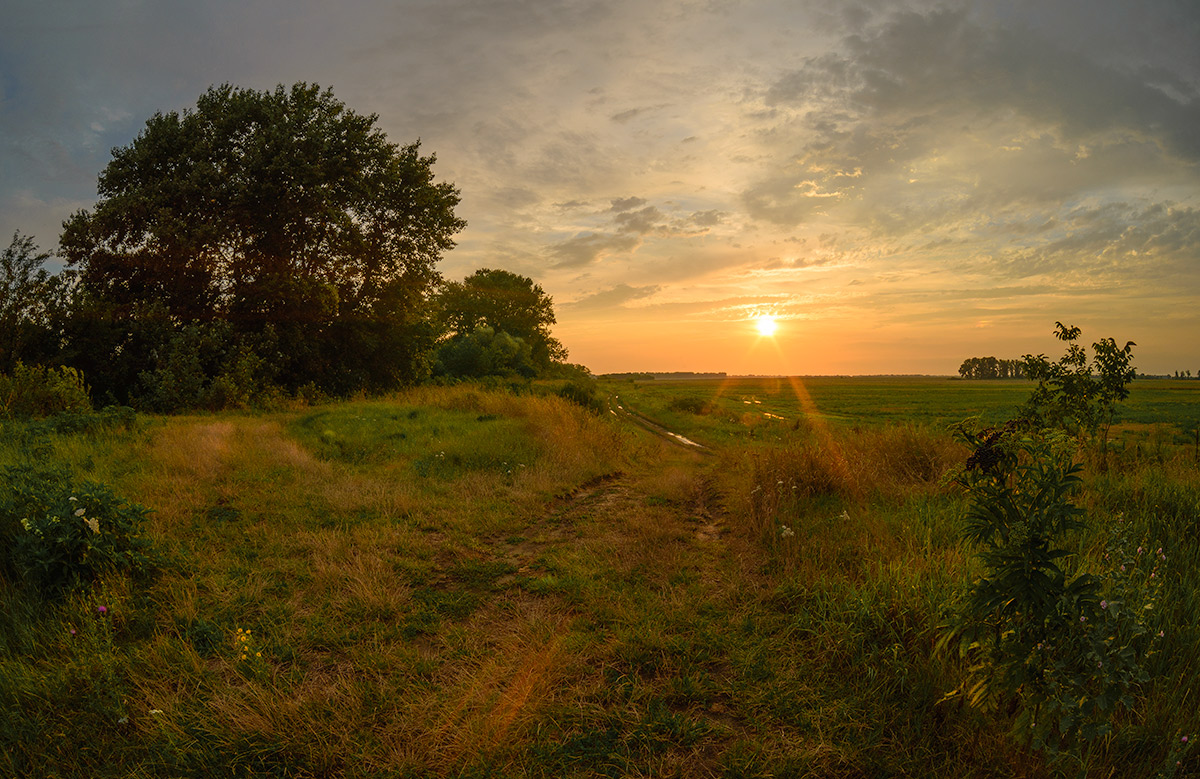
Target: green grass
457	582
741	410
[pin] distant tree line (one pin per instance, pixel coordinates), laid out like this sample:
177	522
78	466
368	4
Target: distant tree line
992	368
262	244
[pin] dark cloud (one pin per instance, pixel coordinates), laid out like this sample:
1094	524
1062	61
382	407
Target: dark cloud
616	297
627	203
588	248
642	221
891	108
625	116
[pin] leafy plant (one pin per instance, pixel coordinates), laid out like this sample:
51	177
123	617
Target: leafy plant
1074	394
37	391
60	535
1064	646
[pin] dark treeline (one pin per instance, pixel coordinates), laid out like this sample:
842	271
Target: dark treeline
265	244
991	368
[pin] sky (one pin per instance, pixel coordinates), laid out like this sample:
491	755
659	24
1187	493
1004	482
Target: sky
902	185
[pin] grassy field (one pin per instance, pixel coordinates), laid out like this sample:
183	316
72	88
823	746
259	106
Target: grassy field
740	408
458	582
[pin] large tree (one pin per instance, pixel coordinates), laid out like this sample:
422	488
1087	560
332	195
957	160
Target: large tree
278	212
506	303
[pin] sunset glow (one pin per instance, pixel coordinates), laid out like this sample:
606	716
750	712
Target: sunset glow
884	178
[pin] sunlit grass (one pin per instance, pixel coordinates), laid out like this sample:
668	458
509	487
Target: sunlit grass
619	606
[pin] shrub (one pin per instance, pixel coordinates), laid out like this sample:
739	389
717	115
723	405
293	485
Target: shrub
584	394
1065	646
35	391
691	406
58	535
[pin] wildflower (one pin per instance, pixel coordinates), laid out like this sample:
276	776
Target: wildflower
1184	739
25	524
1139	550
92	523
1104	604
1083	619
1160	634
786	531
73	499
79	512
102	609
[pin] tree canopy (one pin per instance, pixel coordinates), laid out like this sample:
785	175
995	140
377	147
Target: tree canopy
28	298
282	215
504	303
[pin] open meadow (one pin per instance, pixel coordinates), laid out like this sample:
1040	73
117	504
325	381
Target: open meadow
463	582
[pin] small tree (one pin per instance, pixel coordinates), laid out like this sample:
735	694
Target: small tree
24	299
1076	395
505	302
1066	648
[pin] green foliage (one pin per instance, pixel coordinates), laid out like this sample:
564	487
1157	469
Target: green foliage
991	368
60	535
1066	645
485	352
30	300
583	393
1074	394
207	366
692	405
506	303
35	391
280	212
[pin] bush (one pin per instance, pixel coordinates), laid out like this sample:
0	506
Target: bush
1068	647
35	391
58	536
584	394
691	406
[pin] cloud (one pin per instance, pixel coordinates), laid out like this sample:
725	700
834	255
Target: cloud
934	117
615	297
627	203
642	221
710	218
588	248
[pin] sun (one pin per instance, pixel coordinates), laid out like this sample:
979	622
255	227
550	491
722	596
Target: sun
766	325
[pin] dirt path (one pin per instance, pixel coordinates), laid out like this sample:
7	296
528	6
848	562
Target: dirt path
617	407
